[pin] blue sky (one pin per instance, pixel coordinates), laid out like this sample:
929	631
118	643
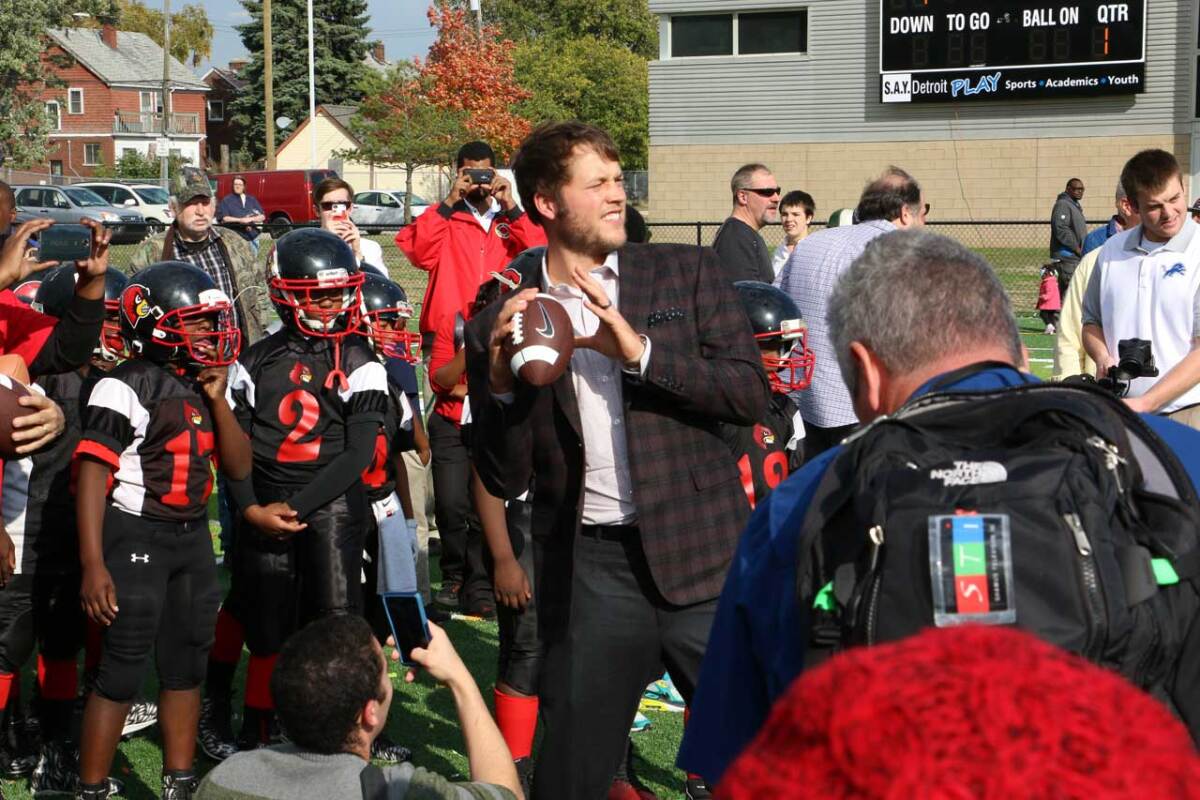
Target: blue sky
400	24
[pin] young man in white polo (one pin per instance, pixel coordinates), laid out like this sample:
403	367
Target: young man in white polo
1146	285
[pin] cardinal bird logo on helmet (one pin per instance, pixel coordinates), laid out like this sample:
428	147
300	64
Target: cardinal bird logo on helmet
136	303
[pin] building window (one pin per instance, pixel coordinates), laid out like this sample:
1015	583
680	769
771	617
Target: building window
773	32
91	155
56	168
75	101
748	33
54	115
216	110
702	35
128	151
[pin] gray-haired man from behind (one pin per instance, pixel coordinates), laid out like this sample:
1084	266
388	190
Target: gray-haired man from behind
893	201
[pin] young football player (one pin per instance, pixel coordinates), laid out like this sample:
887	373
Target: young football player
312	397
39	603
769	451
152	428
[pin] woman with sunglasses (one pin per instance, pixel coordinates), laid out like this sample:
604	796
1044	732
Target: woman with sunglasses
333	204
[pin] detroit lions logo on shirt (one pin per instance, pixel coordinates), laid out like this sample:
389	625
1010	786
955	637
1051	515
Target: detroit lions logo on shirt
1178	269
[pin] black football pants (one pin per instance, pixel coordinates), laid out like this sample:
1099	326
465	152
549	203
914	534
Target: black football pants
167	592
519	660
280	585
458	524
42	610
619	634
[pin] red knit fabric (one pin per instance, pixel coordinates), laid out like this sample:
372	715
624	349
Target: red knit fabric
971	713
258	682
228	640
516	717
57	678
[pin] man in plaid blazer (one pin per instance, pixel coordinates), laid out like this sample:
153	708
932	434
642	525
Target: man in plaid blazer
637	500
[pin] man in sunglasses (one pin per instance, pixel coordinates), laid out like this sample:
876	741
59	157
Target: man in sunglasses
744	254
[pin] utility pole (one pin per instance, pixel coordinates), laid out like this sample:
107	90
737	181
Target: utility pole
268	78
477	7
312	92
166	93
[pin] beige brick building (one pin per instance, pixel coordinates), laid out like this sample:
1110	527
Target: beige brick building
815	118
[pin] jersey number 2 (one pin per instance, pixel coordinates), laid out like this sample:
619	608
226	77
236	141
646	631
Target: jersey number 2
301	422
180	448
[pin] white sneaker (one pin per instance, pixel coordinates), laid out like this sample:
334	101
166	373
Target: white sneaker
1050	329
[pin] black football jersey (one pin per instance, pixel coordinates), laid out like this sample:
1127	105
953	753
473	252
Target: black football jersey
154	429
39	490
765	452
380	476
295	424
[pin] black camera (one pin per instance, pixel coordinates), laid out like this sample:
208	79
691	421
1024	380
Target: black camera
1135	359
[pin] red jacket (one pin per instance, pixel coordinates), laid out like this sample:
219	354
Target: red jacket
458	254
443	352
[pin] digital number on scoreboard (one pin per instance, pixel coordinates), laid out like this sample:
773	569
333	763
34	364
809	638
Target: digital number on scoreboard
954	50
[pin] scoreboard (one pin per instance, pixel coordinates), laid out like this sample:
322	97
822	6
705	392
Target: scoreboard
954	50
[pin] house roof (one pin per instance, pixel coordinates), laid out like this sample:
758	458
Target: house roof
137	60
339	115
229	76
374	63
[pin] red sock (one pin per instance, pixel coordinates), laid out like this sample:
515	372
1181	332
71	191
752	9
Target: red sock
258	682
93	639
687	714
516	717
57	678
6	687
230	636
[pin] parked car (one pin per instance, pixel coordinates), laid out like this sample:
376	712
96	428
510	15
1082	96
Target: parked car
71	203
152	201
285	194
373	211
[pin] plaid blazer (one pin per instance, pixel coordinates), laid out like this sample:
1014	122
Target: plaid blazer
704	369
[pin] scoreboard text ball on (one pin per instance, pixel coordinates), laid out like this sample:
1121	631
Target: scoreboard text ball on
953	50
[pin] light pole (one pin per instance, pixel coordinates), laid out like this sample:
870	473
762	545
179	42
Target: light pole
166	92
312	93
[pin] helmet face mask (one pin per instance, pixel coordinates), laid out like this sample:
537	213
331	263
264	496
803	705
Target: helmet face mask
112	346
314	282
173	313
786	358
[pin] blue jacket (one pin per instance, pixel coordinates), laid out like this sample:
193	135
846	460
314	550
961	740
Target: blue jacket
756	647
1101	235
231	206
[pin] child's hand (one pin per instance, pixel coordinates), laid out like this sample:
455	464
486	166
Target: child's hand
275	519
213	381
98	595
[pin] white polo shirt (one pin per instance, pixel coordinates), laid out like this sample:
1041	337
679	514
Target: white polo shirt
1149	290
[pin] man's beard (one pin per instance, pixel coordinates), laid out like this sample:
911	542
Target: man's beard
477	196
581	239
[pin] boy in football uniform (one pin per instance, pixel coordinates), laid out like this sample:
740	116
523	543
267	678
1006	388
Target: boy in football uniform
39	603
312	397
769	451
152	428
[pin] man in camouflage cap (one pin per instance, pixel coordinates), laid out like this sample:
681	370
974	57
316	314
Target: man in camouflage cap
194	237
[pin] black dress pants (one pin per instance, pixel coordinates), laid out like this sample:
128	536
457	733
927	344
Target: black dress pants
458	524
619	634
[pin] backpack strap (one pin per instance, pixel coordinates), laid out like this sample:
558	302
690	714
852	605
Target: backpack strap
374	785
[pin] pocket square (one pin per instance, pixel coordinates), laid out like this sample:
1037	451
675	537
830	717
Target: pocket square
664	315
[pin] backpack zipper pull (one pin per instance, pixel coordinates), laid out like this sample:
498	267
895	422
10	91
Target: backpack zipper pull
1112	458
875	534
1081	540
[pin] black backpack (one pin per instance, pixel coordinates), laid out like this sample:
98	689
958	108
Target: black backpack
1051	507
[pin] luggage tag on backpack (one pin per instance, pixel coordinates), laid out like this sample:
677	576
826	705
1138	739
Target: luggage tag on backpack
970	568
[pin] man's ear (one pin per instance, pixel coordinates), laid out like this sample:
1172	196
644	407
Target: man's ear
869	387
546	206
371	716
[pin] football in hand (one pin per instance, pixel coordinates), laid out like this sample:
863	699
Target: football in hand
543	339
11	390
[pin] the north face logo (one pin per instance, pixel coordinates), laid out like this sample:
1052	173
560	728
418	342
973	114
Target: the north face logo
970	473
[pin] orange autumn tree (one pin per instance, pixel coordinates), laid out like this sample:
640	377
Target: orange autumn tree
473	73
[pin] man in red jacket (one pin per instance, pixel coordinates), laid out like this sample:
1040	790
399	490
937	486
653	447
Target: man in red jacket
477	229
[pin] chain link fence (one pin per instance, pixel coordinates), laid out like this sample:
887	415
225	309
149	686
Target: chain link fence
1017	250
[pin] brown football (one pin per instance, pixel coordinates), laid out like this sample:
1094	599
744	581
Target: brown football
539	348
11	390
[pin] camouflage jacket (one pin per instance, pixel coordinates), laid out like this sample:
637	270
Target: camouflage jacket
248	280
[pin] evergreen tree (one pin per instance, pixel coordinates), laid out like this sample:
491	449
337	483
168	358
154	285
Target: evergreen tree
340	41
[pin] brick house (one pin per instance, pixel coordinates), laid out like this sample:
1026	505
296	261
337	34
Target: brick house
112	101
223	84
